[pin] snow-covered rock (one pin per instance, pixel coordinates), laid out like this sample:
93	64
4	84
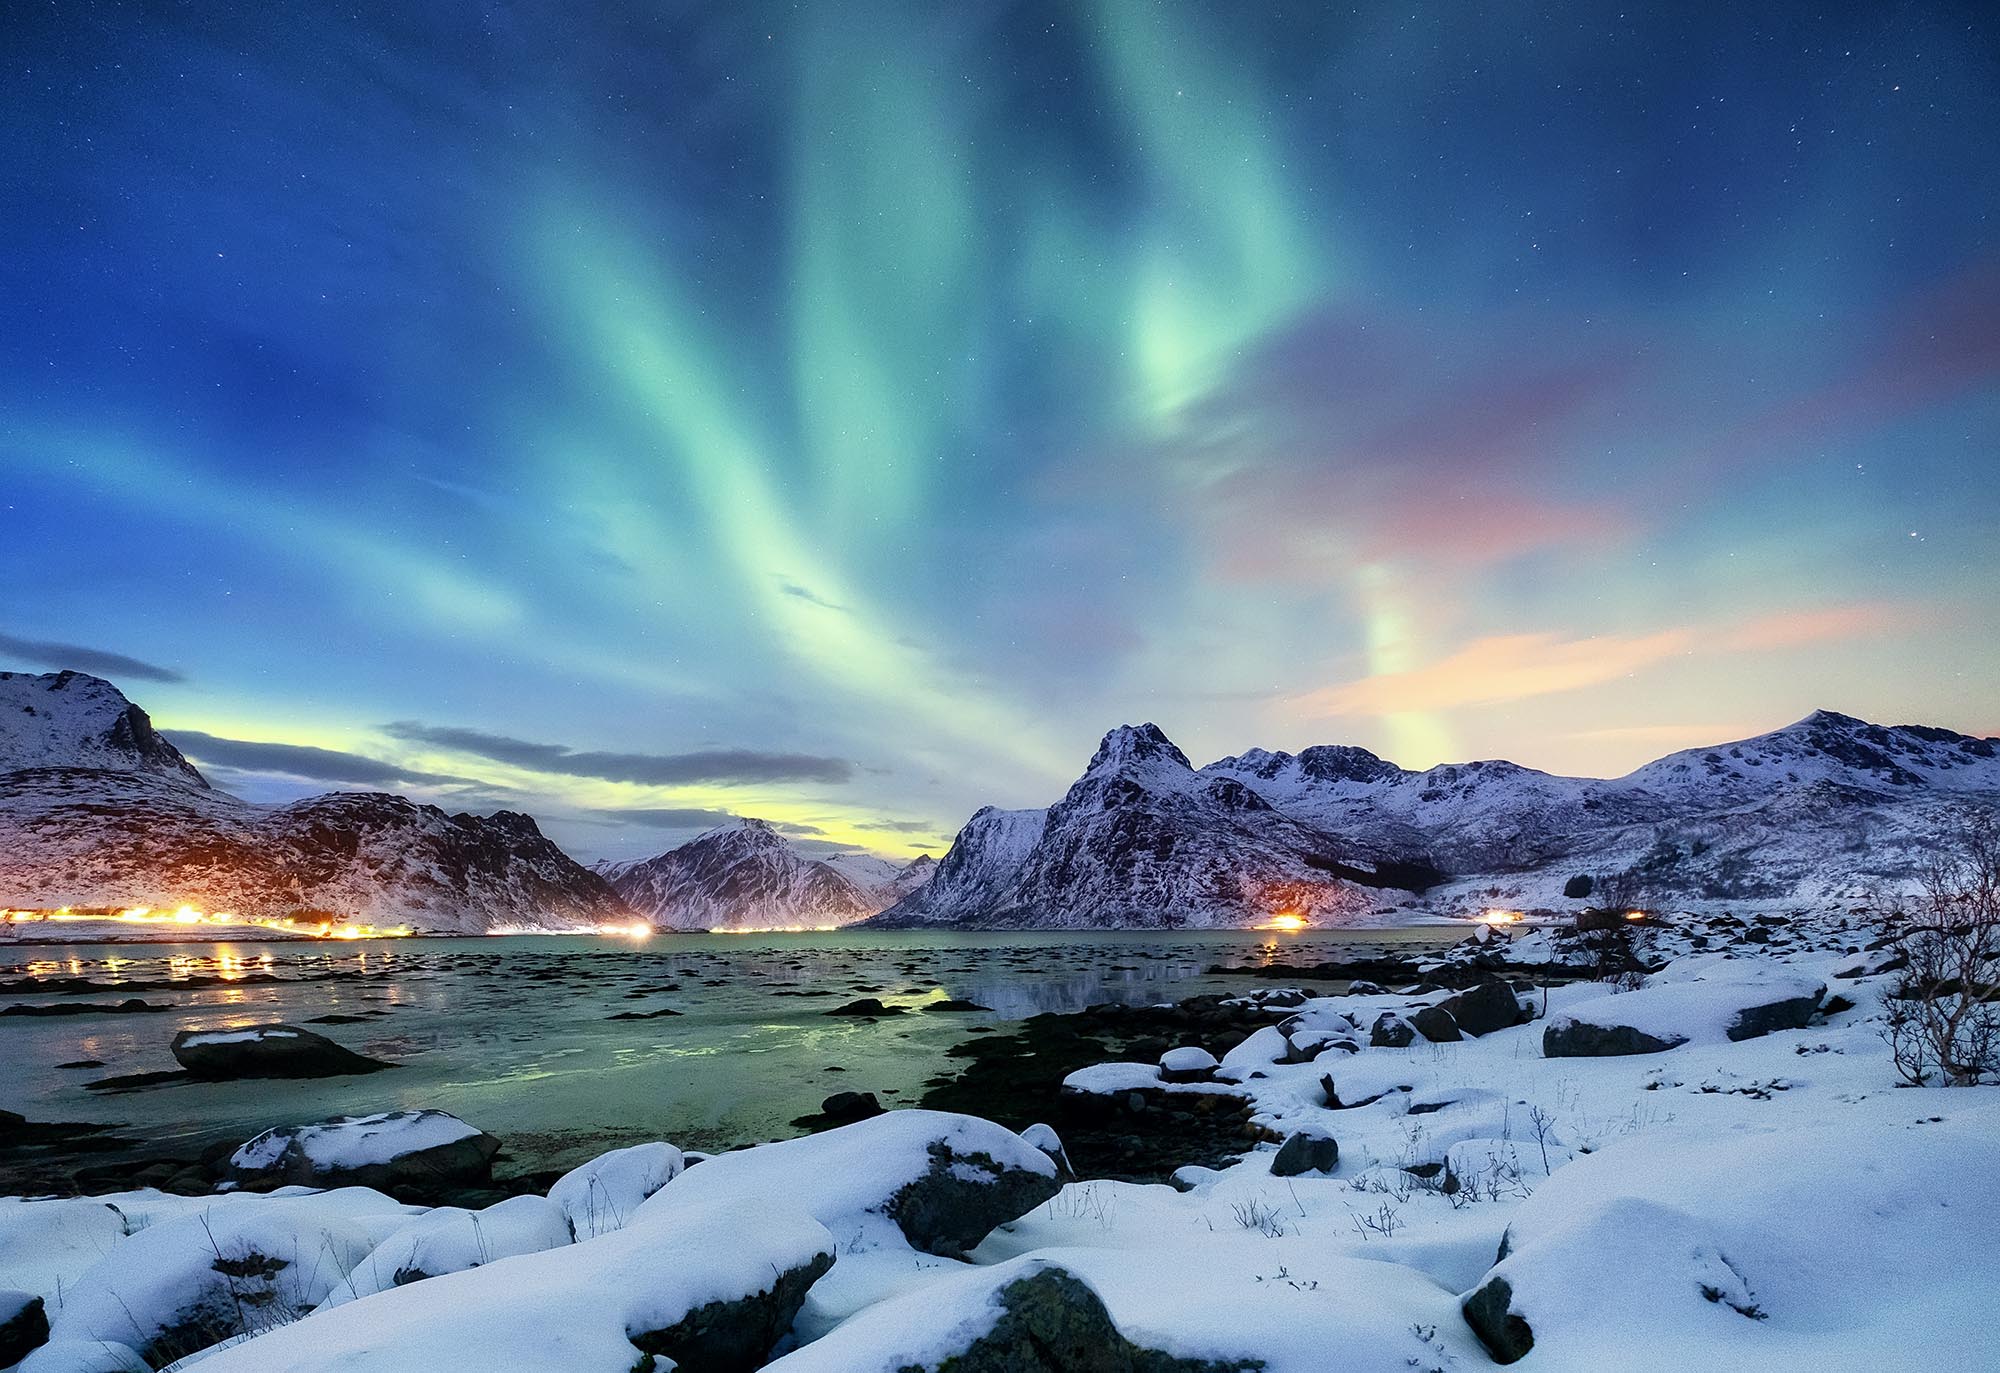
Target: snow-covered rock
1853	1245
602	1195
704	1286
1189	1063
275	1050
85	1356
227	1270
1169	1308
46	1244
415	1152
927	1179
451	1239
1665	1014
746	876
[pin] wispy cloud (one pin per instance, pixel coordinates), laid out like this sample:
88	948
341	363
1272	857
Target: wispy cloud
726	766
1512	667
664	817
303	760
48	653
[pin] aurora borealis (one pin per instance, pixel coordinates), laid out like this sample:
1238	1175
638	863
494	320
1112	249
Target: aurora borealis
843	413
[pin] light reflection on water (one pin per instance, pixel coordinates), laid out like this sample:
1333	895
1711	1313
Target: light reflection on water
515	1034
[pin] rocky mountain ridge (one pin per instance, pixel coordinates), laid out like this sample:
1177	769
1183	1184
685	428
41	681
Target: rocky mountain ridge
746	876
99	810
1831	808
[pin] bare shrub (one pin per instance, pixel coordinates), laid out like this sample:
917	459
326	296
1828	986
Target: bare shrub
1943	1022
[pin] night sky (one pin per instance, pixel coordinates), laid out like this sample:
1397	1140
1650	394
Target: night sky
844	413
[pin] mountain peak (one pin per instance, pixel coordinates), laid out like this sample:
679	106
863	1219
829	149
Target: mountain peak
74	720
1137	745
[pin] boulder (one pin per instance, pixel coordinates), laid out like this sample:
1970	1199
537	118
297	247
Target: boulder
1489	1006
1566	1038
844	1108
1187	1064
410	1153
239	1266
1392	1032
450	1239
1806	1246
24	1326
1040	1318
267	1051
601	1195
1706	1001
1306	1151
927	1179
85	1356
1435	1023
710	1288
1489	1311
1045	1138
865	1006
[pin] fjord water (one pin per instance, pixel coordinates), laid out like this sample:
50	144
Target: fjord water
516	1035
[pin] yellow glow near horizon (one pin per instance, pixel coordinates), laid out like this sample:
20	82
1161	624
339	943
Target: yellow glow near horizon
1499	917
187	915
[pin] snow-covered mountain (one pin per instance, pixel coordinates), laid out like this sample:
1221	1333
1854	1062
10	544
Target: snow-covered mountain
74	720
746	876
1831	808
1143	840
97	809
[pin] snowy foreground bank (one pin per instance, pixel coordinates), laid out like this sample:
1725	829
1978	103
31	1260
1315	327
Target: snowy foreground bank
1713	1169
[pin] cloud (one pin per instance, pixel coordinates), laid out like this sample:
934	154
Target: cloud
1512	667
46	653
665	817
1500	667
727	766
1791	628
302	760
808	595
897	826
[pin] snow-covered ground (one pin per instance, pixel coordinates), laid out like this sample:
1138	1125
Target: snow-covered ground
1755	1197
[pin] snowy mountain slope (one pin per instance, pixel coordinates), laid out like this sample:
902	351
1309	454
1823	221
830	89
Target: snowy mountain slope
1827	747
746	876
73	720
978	873
97	838
98	810
1830	808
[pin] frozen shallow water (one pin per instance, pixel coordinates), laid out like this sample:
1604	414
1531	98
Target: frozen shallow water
515	1034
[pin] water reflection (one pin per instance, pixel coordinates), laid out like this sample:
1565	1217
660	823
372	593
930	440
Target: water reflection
522	1036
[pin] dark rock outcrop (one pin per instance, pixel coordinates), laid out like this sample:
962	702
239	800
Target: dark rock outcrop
1306	1151
737	1335
276	1050
1392	1031
24	1326
1789	1013
1507	1336
1435	1023
961	1197
1485	1008
1051	1322
1576	1039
